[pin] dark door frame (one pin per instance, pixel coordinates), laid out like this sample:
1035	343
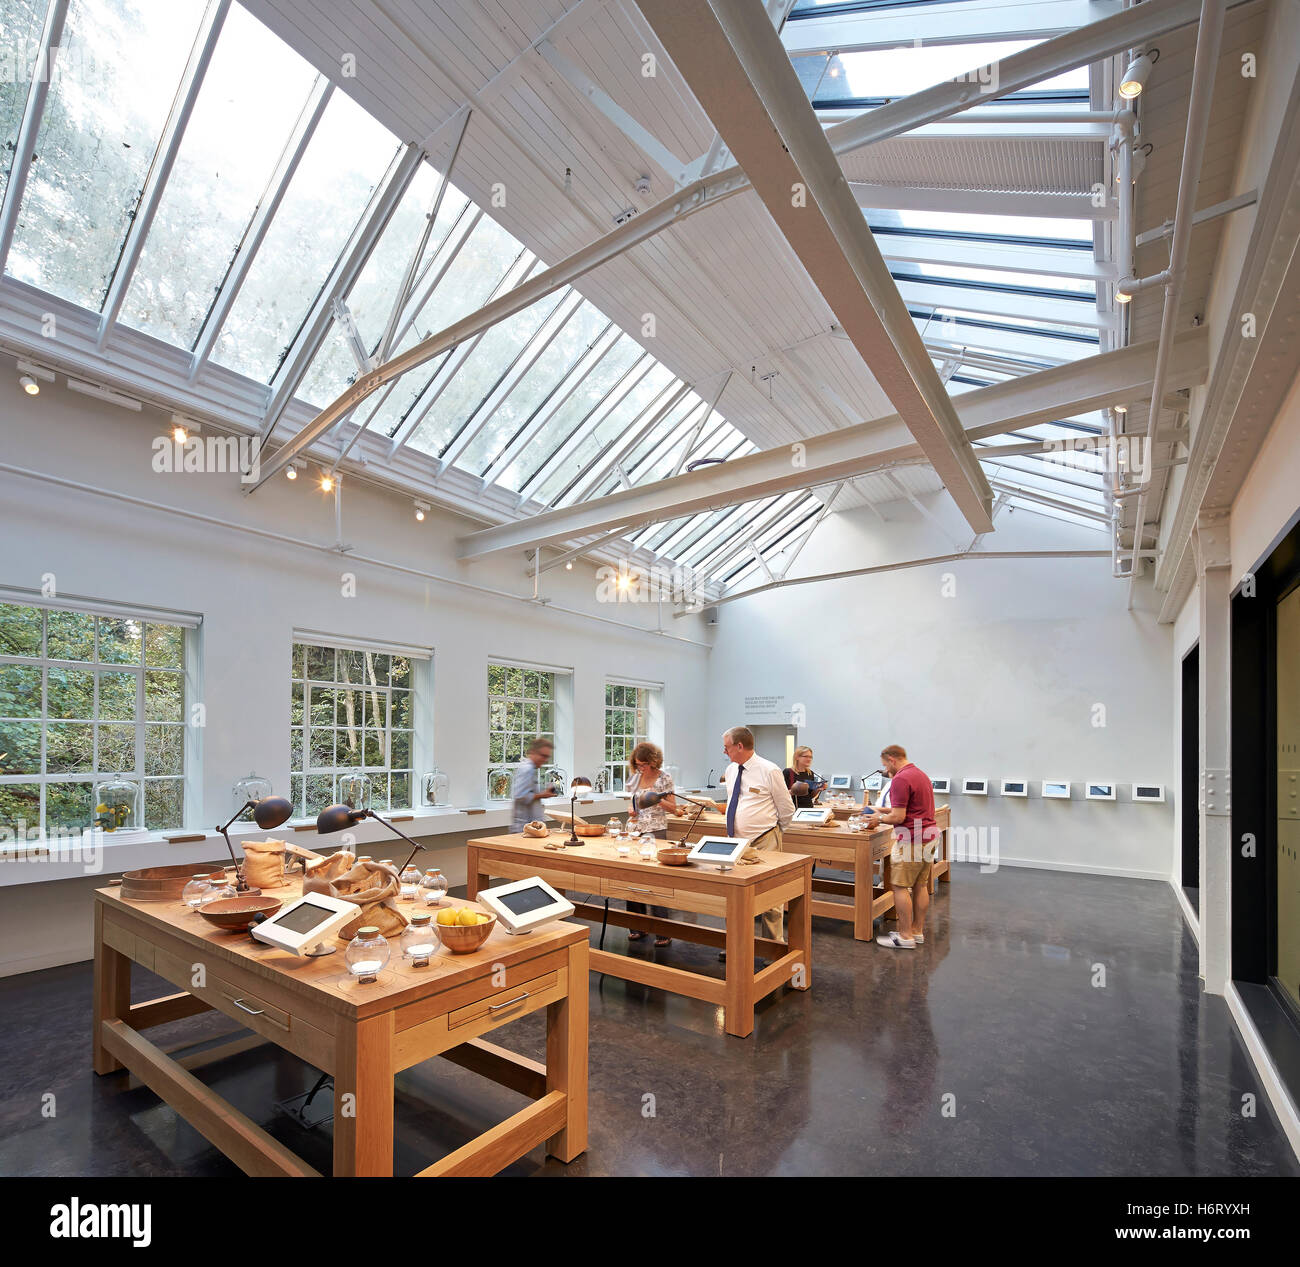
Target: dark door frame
1189	792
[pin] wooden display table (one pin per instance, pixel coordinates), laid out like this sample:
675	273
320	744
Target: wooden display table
362	1034
738	895
837	847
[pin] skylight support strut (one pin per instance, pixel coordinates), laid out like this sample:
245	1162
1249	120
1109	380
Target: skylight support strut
693	438
29	128
267	206
164	159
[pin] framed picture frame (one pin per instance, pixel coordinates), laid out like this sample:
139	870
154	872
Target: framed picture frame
943	785
975	787
1015	787
1056	789
1096	791
1152	793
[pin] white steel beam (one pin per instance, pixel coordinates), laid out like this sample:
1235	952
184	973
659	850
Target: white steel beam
267	205
1053	206
1111	35
942	24
38	90
743	78
894	567
164	159
1078	387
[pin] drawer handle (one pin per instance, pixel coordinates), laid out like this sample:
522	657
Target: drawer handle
632	888
252	1011
496	1007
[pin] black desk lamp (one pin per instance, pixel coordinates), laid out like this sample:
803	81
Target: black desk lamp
341	817
269	812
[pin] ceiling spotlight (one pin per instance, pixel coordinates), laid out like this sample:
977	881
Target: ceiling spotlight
420	509
33	376
568	567
1135	78
1121	409
179	434
1123	297
291	471
30	385
326	482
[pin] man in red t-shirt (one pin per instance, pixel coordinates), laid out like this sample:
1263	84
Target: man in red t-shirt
911	799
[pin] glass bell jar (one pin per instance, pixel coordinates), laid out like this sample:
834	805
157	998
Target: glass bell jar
601	785
367	954
554	776
252	787
117	805
499	781
435	788
433	886
419	940
354	790
192	893
219	886
410	882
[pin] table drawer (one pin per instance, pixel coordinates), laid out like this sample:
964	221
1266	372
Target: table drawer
257	1010
505	1005
561	880
636	889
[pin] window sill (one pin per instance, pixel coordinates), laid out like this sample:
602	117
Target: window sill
34	861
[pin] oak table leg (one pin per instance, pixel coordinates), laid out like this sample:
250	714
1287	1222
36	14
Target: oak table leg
363	1098
863	888
566	1057
112	993
739	986
799	936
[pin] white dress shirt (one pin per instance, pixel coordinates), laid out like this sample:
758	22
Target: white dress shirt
764	798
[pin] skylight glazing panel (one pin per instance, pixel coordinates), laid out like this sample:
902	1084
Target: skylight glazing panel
608	430
113	86
987	277
556	430
897	72
482	371
532	393
1038	227
371	299
21	25
345	160
252	96
678	421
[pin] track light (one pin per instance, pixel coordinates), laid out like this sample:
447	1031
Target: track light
568	567
326	482
1123	297
291	471
179	434
420	509
30	385
1135	78
33	376
1121	409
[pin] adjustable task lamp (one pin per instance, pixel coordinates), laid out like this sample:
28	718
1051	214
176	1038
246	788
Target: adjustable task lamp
341	817
268	812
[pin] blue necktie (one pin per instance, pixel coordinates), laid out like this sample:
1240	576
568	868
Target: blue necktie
731	804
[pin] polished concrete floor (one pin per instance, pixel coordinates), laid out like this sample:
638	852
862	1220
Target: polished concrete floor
1052	1025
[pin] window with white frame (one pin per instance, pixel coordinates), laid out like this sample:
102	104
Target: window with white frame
353	708
633	715
523	703
85	696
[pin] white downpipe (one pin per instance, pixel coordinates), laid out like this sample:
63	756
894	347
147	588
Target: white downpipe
1208	39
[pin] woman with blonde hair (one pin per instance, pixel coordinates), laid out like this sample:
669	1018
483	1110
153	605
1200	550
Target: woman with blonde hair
646	774
804	783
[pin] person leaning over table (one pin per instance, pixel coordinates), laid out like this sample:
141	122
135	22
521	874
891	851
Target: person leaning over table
805	784
646	774
911	812
524	789
757	806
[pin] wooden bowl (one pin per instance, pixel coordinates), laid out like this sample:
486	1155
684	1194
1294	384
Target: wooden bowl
464	939
674	855
162	884
236	913
589	829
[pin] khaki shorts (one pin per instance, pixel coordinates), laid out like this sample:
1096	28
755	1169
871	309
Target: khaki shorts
905	875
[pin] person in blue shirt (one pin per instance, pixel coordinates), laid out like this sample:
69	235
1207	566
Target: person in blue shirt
524	789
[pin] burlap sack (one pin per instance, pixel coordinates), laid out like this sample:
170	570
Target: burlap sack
320	873
374	887
264	863
536	830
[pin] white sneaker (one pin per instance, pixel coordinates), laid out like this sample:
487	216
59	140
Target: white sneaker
918	938
895	942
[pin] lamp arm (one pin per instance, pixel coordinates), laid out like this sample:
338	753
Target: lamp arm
230	821
397	831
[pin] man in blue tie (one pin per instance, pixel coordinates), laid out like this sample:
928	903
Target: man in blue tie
758	806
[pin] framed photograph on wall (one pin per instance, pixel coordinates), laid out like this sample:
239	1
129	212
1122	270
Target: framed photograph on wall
975	787
1015	787
1056	790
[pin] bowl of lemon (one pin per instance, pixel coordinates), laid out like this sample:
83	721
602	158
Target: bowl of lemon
464	929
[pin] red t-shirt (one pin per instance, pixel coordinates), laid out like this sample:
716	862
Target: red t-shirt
911	790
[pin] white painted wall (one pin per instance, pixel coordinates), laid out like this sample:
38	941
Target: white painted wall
252	592
998	681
